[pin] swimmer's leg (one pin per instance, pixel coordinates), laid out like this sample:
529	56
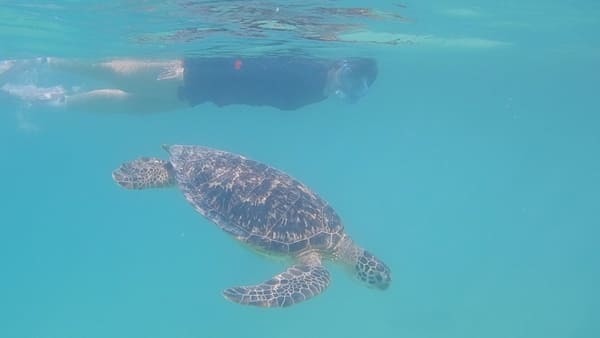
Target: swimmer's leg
129	74
119	101
126	85
137	86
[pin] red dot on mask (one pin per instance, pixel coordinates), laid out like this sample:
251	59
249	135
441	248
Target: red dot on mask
237	64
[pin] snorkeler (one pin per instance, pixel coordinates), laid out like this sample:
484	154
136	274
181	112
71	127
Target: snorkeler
143	86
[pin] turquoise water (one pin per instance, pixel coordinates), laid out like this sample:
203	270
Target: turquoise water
471	168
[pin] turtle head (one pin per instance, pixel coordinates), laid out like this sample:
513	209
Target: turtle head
363	265
372	271
144	173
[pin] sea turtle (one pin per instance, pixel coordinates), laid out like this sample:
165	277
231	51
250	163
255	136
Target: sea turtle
266	209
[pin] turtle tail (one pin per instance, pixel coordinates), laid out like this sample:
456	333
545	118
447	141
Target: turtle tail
144	173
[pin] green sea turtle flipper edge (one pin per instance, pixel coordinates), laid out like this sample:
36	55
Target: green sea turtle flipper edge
298	283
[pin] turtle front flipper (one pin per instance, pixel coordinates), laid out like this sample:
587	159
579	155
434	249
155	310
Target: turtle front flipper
144	172
296	284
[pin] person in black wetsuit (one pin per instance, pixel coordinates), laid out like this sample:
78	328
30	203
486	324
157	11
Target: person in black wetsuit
286	83
133	85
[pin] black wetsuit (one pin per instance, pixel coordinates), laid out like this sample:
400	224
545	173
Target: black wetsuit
283	82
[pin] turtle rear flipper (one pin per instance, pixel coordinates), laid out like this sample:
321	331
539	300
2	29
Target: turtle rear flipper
144	172
296	284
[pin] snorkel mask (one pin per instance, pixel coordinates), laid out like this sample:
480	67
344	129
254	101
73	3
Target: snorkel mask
352	78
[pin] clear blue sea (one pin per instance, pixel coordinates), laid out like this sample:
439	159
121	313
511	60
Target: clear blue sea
472	168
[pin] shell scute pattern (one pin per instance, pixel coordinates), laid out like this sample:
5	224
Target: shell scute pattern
256	203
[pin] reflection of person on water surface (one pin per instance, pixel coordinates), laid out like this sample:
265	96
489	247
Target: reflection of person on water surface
129	85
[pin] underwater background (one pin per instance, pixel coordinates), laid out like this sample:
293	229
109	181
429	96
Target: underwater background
471	168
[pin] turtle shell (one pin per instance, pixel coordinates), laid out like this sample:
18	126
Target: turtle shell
258	204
